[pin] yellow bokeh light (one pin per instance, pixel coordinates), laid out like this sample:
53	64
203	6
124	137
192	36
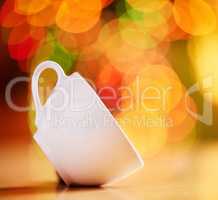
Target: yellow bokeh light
182	122
156	88
145	132
203	54
147	5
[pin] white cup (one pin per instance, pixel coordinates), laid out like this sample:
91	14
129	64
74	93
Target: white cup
79	135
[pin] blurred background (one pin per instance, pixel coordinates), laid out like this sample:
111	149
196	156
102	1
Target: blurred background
165	50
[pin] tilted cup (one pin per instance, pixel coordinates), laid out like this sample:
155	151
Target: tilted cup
79	135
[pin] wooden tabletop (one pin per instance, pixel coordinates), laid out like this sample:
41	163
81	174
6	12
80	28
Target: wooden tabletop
172	175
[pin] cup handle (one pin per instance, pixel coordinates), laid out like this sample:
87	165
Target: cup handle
35	79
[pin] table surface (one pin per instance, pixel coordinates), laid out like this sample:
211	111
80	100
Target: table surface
172	175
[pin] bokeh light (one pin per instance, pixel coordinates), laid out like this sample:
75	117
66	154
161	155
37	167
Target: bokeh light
117	45
84	16
29	7
203	54
195	17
